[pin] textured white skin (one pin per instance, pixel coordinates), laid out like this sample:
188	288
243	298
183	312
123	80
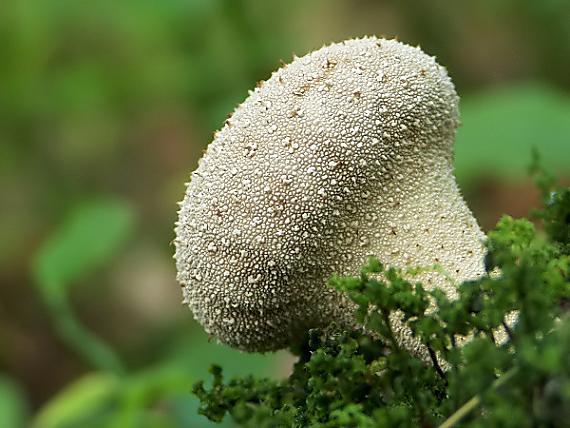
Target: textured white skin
345	153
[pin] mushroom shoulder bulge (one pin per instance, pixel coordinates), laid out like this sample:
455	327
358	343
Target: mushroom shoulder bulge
346	152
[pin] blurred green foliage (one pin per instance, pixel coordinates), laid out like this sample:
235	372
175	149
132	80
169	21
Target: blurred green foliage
105	108
80	402
501	126
14	410
87	240
156	396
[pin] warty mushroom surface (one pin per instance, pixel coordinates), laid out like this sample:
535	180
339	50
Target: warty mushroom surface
346	152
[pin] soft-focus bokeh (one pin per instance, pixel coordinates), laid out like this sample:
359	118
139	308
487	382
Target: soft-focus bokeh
105	108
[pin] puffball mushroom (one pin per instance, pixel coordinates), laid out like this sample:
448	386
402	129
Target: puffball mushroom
345	153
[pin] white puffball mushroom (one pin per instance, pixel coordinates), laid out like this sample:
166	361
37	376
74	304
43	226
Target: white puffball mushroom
345	153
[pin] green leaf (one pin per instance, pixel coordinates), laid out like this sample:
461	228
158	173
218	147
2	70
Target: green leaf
500	127
88	239
80	403
13	406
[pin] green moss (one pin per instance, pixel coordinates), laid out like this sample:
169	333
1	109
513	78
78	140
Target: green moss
356	379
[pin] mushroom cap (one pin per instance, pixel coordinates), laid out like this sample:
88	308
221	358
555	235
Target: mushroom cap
344	153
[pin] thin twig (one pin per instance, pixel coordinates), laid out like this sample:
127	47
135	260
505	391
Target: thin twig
508	330
474	402
436	365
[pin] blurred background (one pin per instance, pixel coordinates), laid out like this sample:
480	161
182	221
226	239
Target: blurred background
105	108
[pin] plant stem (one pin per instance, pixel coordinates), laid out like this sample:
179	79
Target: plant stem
474	402
508	331
436	365
78	337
